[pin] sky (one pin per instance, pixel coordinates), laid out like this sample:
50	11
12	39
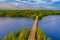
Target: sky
30	4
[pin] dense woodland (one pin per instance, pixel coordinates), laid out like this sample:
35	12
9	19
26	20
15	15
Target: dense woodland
28	13
24	34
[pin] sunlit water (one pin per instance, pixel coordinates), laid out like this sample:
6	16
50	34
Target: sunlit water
50	24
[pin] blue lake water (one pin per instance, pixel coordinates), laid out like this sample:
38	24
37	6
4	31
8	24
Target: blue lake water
50	24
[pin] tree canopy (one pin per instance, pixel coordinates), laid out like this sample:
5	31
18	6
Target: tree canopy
28	13
24	34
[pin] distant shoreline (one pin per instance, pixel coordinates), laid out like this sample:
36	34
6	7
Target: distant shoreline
28	13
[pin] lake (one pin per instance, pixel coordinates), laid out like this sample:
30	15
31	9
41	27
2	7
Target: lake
50	24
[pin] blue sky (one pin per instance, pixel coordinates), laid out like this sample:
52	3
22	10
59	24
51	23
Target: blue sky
30	4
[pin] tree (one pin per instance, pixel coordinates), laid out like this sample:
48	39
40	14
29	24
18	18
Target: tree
5	38
49	38
11	35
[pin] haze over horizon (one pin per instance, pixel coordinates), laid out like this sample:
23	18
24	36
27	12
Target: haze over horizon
30	4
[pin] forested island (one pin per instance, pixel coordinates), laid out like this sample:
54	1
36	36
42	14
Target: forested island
28	13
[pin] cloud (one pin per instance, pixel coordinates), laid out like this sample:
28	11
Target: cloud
27	1
2	0
36	4
32	1
55	0
50	7
40	1
5	6
15	5
10	5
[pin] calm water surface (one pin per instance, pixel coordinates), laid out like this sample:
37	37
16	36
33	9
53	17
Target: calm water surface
50	24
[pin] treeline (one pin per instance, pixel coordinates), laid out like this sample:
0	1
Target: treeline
24	34
28	13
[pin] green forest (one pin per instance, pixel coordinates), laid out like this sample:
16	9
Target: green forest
24	34
28	13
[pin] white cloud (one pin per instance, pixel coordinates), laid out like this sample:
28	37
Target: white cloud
40	1
55	0
5	6
35	1
10	5
49	7
45	1
28	5
2	0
